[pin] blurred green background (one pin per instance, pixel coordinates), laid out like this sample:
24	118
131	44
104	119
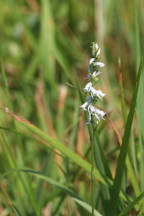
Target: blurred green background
45	47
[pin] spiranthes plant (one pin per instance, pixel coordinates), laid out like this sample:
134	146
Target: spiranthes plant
95	115
92	96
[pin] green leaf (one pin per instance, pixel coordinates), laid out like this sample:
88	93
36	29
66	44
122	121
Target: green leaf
47	42
132	204
62	187
140	100
124	148
58	145
86	206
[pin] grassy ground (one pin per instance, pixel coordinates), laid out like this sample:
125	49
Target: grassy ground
45	160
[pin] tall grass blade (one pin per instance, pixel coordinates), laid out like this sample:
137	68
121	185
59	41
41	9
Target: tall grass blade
131	171
124	148
102	165
140	102
47	42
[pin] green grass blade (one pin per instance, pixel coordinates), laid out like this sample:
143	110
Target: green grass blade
17	211
123	104
20	183
102	165
5	145
140	102
62	187
137	36
132	172
20	153
47	42
132	204
58	145
132	176
4	78
86	206
7	199
100	157
124	148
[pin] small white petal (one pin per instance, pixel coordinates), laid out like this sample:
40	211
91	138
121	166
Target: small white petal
96	73
99	114
83	106
86	104
98	52
91	60
96	93
100	64
96	113
87	87
96	46
99	94
91	109
95	49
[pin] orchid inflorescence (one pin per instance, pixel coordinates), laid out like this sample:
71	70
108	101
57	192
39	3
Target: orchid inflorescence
95	115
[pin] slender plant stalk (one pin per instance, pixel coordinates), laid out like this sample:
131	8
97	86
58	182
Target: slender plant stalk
9	202
95	115
92	173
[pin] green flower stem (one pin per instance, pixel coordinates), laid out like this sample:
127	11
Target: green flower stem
92	173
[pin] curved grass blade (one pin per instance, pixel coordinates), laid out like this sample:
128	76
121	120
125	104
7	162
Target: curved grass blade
86	206
62	187
58	145
124	148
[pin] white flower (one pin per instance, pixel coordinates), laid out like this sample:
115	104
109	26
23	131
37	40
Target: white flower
86	104
96	73
91	60
87	87
83	106
91	109
99	114
96	46
96	113
93	92
99	64
95	50
99	94
98	52
96	93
